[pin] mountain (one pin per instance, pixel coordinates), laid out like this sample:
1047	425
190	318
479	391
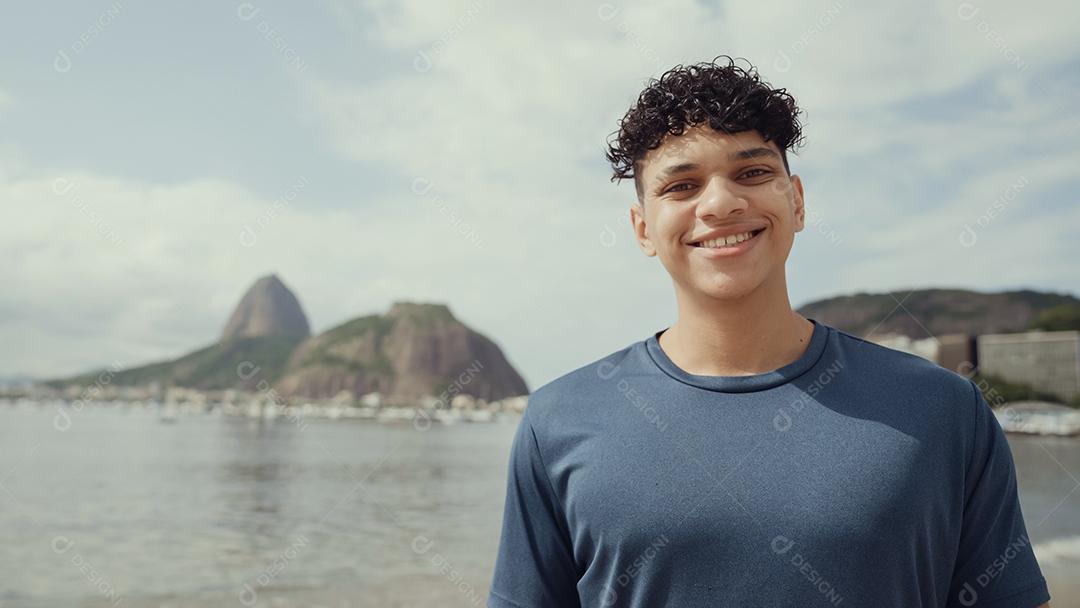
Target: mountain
233	363
937	311
414	349
267	309
265	328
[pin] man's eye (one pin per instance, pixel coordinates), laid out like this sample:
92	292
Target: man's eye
763	171
676	187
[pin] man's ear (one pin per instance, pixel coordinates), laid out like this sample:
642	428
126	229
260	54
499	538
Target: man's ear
637	219
800	208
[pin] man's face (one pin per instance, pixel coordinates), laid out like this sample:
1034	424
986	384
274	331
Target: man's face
702	187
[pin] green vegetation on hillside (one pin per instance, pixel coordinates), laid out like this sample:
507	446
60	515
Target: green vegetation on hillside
997	391
214	367
1062	317
373	327
943	311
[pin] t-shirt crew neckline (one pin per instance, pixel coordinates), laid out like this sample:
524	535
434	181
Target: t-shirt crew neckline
743	384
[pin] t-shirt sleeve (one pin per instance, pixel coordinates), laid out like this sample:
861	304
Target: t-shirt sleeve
995	566
534	567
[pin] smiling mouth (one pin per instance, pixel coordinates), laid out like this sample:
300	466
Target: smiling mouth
729	241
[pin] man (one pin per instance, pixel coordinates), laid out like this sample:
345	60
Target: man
746	455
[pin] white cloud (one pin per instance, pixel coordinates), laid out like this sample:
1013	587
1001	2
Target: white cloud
137	271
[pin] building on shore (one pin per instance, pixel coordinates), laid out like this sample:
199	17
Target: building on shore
1047	360
955	352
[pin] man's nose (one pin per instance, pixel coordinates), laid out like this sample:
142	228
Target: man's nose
720	198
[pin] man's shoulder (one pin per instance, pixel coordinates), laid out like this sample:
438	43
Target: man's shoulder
895	369
583	384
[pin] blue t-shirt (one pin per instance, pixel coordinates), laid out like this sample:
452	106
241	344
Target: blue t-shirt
856	475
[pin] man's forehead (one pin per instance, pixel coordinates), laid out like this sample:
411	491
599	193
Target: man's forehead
700	142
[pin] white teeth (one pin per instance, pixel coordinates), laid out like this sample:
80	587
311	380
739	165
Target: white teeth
726	241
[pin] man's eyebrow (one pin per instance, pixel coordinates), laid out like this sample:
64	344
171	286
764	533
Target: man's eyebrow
675	170
754	153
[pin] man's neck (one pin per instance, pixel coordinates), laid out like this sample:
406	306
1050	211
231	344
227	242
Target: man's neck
753	335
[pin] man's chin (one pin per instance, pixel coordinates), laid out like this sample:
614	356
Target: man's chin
725	287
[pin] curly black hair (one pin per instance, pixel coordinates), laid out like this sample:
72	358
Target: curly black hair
728	98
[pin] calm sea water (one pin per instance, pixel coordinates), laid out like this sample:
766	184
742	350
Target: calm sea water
122	509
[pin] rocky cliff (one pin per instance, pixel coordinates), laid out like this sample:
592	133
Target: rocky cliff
268	308
414	349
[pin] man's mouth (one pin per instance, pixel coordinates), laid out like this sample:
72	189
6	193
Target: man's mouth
729	241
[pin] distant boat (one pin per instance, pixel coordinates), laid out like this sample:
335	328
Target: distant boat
364	412
169	413
480	416
448	416
395	414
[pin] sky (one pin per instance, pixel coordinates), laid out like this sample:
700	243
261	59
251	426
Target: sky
157	158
